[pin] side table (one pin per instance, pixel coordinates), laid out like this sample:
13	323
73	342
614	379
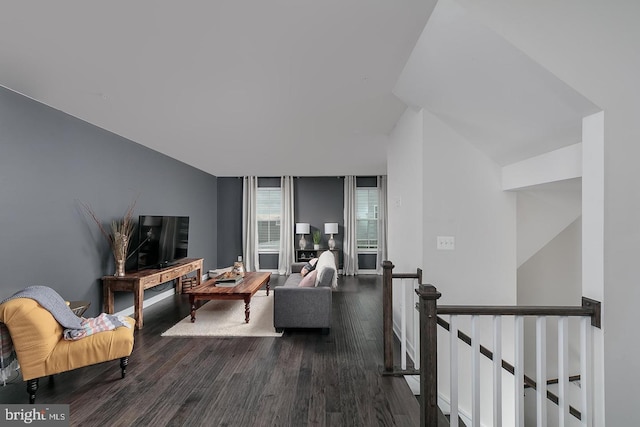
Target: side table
79	307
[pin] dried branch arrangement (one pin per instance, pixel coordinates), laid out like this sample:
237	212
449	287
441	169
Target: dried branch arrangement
121	231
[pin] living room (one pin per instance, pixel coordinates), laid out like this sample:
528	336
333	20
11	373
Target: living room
52	161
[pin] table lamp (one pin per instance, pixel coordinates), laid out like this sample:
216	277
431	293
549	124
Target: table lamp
302	228
331	228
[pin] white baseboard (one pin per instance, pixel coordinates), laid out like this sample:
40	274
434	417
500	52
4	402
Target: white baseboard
148	302
365	272
157	298
411	351
413	381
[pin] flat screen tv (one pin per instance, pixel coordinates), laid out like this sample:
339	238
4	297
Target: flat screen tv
163	240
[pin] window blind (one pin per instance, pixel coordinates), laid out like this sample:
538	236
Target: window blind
268	200
367	217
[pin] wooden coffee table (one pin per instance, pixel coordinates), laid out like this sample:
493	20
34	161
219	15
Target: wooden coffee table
244	290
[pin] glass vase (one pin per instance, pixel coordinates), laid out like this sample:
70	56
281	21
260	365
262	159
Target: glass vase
119	268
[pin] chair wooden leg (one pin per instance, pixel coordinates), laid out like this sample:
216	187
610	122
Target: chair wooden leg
123	365
32	387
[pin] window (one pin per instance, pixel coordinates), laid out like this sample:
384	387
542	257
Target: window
367	218
268	214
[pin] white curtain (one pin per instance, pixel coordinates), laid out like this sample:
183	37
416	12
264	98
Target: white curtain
250	223
350	243
382	222
285	254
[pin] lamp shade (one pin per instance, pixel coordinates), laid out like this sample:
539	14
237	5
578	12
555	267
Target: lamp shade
302	228
330	228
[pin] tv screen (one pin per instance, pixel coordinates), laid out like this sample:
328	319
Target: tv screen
163	240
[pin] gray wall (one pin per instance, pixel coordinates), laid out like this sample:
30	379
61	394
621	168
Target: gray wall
229	220
317	200
49	163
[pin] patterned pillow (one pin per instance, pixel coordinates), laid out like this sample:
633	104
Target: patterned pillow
308	281
310	266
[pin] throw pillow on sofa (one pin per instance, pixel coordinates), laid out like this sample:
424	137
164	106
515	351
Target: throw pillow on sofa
308	267
309	281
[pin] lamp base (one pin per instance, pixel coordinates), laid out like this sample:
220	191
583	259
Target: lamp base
302	243
332	243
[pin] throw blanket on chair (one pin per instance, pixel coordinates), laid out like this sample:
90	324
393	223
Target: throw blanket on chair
53	302
57	306
104	322
8	360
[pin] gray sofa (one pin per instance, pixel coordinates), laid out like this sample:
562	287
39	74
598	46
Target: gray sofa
296	307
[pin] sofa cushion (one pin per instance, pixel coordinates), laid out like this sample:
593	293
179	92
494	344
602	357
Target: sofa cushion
309	280
293	280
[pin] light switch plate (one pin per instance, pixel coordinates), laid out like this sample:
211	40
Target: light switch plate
446	243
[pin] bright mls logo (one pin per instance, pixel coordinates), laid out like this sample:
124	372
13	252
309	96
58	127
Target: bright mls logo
35	415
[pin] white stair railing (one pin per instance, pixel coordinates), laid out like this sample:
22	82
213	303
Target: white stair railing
431	313
589	314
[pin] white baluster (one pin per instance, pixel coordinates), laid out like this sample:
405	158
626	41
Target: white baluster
563	371
586	379
519	370
541	371
416	327
403	326
497	371
475	370
453	369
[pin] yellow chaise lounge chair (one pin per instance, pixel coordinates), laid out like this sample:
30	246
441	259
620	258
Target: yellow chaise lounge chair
41	349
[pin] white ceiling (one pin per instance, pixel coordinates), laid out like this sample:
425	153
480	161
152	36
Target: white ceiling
499	99
284	87
298	87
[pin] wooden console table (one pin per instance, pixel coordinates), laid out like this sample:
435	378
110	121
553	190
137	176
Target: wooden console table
138	281
303	255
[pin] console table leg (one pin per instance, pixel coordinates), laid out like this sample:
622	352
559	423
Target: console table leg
268	285
108	298
138	297
247	302
192	300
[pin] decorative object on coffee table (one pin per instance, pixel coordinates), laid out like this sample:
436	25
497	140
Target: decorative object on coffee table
302	228
118	238
331	228
238	267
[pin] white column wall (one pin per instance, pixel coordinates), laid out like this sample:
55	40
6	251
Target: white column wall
592	46
463	198
404	187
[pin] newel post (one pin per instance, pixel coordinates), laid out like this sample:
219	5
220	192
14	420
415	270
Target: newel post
428	355
387	314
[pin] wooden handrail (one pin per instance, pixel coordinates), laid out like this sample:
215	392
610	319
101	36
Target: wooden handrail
496	310
589	308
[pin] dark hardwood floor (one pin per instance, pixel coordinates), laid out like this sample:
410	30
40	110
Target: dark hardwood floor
304	378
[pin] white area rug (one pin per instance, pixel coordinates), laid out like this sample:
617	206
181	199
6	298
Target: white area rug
226	319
